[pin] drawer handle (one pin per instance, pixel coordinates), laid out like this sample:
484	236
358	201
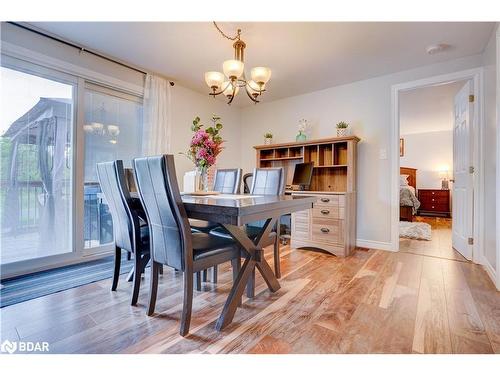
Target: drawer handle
325	230
432	206
325	200
325	212
433	200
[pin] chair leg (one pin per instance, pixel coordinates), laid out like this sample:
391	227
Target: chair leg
153	287
251	285
137	277
214	274
198	281
116	271
205	276
129	255
277	265
187	304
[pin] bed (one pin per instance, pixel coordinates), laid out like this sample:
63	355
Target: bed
408	202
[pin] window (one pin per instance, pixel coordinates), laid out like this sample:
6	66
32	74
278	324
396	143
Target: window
36	170
113	130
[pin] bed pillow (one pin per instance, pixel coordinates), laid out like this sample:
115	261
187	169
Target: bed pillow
403	179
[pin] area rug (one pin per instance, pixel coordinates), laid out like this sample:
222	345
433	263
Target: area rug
415	230
24	288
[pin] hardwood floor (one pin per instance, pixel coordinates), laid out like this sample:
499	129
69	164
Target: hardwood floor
370	302
439	246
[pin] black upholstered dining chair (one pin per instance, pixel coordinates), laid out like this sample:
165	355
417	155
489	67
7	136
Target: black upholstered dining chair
226	181
247	182
172	241
126	214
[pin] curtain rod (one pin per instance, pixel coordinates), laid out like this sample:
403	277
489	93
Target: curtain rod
80	48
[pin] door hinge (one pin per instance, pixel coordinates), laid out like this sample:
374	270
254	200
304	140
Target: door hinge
471	169
470	241
471	98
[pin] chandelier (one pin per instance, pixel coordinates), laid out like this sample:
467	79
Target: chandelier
234	77
99	127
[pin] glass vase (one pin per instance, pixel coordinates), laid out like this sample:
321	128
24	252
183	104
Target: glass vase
301	137
203	179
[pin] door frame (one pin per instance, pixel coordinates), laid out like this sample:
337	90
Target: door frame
476	77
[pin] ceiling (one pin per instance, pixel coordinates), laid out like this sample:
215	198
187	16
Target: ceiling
428	109
303	56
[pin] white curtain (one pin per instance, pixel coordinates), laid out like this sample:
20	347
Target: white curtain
157	116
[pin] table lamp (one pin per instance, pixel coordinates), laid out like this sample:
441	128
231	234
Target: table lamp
444	174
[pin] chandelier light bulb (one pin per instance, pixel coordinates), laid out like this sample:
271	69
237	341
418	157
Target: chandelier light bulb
228	92
233	69
214	80
254	86
261	75
113	130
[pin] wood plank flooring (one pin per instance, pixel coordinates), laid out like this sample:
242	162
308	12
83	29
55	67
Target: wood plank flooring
370	302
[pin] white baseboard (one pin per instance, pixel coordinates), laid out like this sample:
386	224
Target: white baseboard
377	245
490	271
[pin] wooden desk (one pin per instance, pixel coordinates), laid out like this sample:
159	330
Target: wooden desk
232	214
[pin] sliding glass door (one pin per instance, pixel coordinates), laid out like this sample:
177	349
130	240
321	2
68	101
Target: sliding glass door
54	129
37	111
113	130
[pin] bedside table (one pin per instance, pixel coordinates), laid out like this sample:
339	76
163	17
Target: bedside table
434	202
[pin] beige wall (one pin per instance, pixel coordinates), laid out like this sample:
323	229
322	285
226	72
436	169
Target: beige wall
186	105
366	105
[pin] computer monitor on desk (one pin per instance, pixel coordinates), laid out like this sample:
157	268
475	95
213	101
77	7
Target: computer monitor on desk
302	175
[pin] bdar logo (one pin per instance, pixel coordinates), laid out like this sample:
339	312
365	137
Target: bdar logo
8	347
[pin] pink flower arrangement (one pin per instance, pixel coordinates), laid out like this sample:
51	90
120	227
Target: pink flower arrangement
205	145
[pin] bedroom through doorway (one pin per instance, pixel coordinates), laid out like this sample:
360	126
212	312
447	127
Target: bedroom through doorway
432	135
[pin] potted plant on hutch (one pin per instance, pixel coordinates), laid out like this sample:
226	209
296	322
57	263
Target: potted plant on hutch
268	138
342	129
205	146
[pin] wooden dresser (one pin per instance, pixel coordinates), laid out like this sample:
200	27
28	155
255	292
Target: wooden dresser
434	202
331	224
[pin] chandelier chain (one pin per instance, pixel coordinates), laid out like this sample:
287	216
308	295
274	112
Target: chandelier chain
237	37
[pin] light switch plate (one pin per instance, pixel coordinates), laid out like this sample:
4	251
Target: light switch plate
383	154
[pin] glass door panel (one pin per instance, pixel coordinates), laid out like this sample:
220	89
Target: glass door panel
36	135
113	130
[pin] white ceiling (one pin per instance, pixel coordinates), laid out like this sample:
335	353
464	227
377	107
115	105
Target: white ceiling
428	109
304	57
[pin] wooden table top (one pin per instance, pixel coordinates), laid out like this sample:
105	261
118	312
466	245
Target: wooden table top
242	211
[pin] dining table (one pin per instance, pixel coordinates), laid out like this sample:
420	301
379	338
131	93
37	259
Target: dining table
233	212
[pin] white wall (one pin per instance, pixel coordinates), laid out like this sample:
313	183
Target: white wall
366	105
428	152
489	146
186	105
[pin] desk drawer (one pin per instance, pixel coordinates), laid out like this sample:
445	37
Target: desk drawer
327	230
330	200
328	212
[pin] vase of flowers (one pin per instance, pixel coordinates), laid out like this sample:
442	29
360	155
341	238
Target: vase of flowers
342	129
268	138
301	136
205	146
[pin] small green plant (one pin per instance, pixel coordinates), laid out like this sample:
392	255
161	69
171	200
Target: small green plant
268	135
342	125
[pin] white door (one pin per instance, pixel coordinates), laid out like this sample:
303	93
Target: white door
462	197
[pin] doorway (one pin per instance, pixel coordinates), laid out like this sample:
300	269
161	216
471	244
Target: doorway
436	166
